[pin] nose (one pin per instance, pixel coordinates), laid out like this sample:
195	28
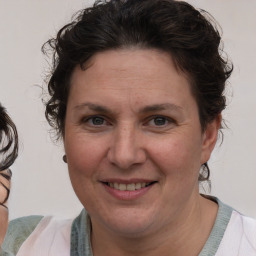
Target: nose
126	148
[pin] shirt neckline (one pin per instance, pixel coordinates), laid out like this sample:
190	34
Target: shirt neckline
81	232
223	217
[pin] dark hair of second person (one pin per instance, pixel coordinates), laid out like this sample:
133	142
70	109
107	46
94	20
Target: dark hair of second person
8	146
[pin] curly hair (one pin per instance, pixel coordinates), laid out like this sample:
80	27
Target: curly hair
8	147
190	36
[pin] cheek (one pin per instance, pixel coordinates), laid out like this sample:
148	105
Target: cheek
177	157
84	155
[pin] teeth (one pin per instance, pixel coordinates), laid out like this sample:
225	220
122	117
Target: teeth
138	186
116	186
128	187
122	187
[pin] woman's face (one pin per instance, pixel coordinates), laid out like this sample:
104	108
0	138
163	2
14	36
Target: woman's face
133	141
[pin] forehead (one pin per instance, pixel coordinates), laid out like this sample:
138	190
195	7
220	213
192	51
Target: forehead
150	64
149	73
124	60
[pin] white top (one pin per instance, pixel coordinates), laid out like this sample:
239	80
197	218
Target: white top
239	238
51	237
232	235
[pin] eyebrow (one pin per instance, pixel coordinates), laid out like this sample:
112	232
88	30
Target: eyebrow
94	107
146	109
159	107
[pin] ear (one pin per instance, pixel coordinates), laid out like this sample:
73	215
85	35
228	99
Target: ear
210	136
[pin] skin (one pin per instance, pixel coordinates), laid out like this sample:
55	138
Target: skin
131	116
3	210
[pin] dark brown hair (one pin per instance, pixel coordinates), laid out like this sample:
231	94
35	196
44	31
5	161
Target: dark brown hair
8	146
190	36
8	140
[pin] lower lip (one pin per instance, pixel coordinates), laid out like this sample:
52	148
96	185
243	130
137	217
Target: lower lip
127	195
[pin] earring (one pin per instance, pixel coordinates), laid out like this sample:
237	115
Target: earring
64	158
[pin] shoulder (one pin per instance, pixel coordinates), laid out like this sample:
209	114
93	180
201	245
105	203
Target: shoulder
18	231
247	229
49	234
245	225
240	236
232	234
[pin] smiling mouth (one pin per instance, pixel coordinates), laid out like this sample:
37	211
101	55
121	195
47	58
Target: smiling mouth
129	187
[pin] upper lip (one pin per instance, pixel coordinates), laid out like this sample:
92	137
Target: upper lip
129	181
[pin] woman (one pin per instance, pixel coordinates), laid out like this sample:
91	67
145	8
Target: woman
136	94
8	154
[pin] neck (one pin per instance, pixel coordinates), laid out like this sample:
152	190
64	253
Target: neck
188	233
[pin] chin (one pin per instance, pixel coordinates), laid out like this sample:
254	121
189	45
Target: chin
130	222
130	230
